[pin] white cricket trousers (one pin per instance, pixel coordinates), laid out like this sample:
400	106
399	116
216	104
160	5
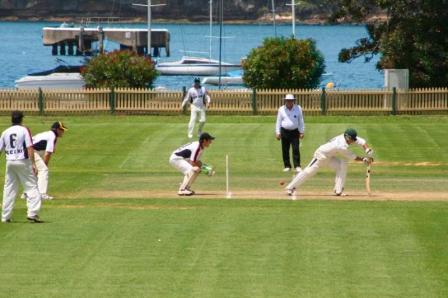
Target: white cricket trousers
42	172
340	165
190	173
20	171
194	115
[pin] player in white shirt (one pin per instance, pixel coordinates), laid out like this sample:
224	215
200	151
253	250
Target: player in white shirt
199	100
44	145
17	144
290	129
334	154
186	159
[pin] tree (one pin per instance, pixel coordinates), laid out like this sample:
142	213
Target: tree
119	69
284	63
413	36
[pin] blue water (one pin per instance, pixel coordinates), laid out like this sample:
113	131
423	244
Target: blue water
22	51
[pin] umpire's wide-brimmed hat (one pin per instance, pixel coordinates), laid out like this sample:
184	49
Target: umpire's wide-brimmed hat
289	97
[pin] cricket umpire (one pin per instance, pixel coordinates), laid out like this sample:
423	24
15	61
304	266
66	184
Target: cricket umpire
290	128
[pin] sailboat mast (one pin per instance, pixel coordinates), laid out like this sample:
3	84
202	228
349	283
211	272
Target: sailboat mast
211	29
293	15
221	16
148	51
273	18
293	8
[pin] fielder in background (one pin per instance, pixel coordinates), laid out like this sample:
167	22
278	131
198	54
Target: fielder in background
199	100
20	168
44	145
334	154
290	128
186	159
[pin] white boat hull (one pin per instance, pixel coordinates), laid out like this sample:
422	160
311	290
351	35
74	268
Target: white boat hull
199	70
52	81
224	81
195	66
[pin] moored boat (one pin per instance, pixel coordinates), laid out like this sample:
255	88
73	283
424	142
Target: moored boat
195	66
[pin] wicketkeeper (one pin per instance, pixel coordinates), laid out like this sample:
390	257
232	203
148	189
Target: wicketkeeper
186	159
334	154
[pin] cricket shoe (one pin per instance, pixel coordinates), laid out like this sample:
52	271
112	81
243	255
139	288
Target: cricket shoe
291	191
24	196
286	169
7	220
45	196
34	219
298	169
192	191
185	192
340	194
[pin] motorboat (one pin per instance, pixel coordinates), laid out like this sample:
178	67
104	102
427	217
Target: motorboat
232	78
61	77
195	66
226	81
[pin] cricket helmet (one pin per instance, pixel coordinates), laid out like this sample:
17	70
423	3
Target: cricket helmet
351	133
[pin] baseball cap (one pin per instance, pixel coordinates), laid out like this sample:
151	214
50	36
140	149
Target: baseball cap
206	136
289	97
60	125
350	132
197	80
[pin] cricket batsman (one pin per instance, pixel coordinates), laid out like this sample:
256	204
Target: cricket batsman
186	159
334	154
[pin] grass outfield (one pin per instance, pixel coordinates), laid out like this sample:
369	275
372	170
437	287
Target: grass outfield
107	233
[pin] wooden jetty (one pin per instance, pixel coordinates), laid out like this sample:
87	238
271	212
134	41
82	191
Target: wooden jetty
78	40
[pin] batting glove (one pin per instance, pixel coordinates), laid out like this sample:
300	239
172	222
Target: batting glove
367	160
369	151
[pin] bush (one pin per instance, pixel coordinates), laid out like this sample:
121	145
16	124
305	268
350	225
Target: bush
284	63
119	69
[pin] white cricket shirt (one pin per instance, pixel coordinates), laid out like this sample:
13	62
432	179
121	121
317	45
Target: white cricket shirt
15	141
290	119
196	97
45	141
190	151
337	146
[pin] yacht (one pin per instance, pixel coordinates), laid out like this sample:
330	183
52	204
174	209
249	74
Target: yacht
195	66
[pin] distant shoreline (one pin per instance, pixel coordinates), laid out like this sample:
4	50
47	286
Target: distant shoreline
281	20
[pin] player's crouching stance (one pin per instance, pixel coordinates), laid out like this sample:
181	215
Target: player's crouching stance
330	155
186	159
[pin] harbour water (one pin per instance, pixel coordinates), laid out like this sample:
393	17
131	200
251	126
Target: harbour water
22	51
